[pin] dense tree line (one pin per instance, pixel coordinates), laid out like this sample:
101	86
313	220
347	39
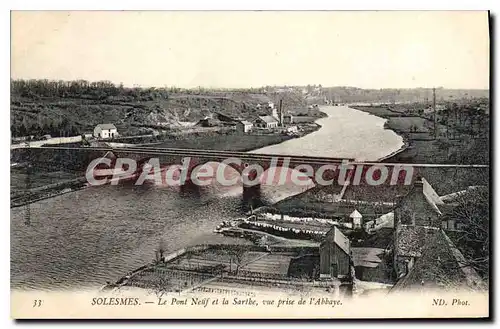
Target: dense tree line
27	126
473	239
36	89
467	117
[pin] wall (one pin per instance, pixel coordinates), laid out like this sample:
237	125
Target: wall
414	209
52	141
333	260
343	262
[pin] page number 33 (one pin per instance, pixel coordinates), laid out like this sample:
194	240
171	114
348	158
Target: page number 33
37	303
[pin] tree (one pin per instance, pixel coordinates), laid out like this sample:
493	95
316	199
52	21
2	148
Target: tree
473	239
236	255
161	284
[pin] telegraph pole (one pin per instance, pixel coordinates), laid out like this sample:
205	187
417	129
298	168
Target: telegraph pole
434	110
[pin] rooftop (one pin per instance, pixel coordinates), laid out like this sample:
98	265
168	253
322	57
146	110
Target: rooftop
410	239
267	118
106	126
440	265
431	195
337	237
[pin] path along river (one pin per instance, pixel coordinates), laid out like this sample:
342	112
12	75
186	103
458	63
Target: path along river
83	239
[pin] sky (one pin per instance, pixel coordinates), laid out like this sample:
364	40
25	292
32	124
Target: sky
251	49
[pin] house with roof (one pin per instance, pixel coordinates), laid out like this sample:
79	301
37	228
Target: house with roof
416	216
356	218
244	126
105	130
266	121
422	250
335	255
436	263
409	241
420	206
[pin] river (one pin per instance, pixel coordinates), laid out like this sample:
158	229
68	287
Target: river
345	133
83	239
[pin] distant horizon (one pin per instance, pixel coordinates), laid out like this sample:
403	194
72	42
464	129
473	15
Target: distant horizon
251	49
238	88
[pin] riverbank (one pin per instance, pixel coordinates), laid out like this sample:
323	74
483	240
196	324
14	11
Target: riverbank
346	133
415	131
230	140
423	145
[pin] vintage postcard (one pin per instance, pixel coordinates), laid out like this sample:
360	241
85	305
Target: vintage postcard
249	164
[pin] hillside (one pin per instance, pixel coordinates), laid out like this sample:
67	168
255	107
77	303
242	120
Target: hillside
68	108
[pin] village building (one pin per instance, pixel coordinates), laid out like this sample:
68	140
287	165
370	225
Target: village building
270	117
356	218
420	207
244	126
274	114
105	130
266	121
416	217
335	255
435	263
423	253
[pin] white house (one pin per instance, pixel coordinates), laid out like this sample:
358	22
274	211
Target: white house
244	126
266	121
105	130
356	219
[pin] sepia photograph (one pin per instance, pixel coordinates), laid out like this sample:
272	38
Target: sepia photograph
250	164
